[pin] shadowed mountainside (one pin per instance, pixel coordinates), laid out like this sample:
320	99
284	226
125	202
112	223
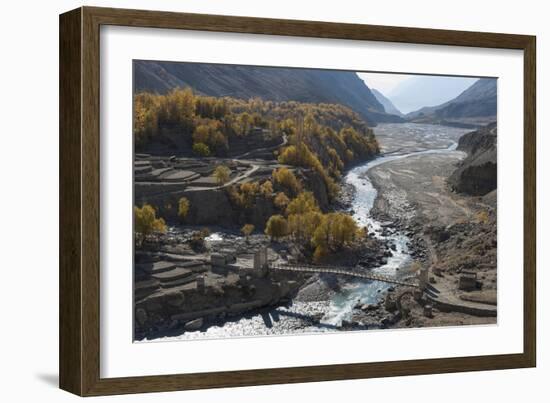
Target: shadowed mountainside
268	83
389	107
477	174
476	105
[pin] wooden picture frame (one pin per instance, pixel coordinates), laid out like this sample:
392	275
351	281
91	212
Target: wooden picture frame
80	184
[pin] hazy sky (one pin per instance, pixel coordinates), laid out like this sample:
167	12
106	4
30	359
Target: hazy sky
410	92
383	82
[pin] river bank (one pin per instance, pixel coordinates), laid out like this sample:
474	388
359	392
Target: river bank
455	233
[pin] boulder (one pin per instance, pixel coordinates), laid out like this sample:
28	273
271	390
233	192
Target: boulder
193	325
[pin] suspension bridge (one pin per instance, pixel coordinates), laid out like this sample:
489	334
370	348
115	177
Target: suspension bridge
302	268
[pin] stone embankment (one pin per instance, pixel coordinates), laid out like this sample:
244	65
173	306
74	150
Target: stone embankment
178	289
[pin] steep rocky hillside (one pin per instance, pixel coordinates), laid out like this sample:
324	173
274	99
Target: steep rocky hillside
268	83
477	105
477	174
389	107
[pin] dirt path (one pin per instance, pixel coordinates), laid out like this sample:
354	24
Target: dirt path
263	149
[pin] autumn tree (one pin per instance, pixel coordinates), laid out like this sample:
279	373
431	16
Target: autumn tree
210	132
183	207
304	203
222	174
201	149
310	124
266	189
245	121
303	226
177	109
281	201
145	117
147	223
334	232
286	179
248	192
247	229
276	227
301	155
287	126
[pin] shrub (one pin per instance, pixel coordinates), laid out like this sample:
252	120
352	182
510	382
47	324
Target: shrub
197	239
482	217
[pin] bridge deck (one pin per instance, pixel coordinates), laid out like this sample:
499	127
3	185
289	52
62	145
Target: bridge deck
344	272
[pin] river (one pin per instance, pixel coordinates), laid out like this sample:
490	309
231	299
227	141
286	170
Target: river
397	141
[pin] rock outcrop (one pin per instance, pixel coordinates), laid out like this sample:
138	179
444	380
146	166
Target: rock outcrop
477	174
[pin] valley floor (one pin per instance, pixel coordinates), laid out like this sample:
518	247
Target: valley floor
457	232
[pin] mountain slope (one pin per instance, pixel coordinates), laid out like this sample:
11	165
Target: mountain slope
419	91
478	103
477	173
268	83
389	107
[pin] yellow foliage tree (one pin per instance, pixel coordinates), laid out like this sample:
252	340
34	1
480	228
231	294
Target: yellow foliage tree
201	149
147	223
247	229
281	200
276	227
334	232
183	207
266	189
245	122
222	174
210	132
145	117
303	226
304	203
285	178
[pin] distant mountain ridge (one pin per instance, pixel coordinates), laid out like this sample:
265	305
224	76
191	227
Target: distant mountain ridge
269	83
477	104
425	90
389	107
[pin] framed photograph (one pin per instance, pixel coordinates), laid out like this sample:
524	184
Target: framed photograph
249	201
